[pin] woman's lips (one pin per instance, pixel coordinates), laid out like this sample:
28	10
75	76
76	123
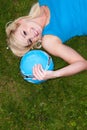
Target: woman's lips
36	32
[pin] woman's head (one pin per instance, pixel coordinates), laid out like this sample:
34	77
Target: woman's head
23	33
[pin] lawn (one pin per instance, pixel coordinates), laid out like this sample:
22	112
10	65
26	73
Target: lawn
57	104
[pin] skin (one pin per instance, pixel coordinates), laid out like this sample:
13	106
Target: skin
28	32
55	47
52	45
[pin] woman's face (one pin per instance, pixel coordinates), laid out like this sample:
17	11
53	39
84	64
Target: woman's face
28	32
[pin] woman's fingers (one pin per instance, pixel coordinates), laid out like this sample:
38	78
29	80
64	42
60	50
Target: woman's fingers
38	72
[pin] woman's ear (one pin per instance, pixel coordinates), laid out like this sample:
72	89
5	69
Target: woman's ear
20	20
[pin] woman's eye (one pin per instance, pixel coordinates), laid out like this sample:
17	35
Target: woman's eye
24	32
30	40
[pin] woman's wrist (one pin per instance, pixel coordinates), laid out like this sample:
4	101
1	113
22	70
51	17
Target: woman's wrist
56	74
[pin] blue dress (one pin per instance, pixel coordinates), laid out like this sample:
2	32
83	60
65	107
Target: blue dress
68	18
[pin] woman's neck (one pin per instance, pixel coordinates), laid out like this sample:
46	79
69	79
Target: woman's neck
43	18
45	15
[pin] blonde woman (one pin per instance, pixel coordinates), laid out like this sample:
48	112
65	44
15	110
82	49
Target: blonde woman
51	23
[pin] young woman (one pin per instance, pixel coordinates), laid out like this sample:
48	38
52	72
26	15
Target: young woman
51	23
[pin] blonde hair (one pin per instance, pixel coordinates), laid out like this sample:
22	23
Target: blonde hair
11	27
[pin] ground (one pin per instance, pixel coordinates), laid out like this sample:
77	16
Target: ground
57	104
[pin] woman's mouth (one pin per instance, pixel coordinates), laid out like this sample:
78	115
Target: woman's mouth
36	33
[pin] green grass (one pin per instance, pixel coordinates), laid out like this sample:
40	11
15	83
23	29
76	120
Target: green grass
58	104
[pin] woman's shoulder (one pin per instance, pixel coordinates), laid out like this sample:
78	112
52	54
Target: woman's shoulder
50	39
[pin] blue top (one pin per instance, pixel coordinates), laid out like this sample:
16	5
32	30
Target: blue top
68	18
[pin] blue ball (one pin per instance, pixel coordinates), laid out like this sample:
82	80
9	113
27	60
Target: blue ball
30	59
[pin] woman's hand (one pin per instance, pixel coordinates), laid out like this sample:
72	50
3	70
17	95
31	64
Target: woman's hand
41	74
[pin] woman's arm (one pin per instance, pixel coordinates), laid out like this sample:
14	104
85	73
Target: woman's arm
54	46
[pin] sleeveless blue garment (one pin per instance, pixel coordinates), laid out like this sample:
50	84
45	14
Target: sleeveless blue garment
68	18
